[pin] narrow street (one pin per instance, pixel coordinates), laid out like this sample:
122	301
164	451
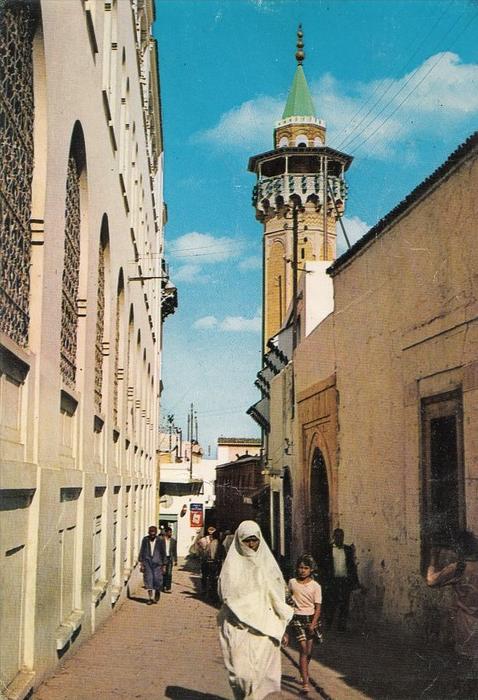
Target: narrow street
171	650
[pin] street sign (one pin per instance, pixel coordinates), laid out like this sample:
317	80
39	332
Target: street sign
196	515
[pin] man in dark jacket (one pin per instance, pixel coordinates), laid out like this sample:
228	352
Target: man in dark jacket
152	558
171	558
342	579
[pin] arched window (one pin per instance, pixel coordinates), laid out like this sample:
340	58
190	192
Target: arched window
284	142
71	270
301	140
17	27
118	372
130	373
100	313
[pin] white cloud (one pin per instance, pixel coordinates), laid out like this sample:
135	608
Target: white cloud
188	273
355	229
265	6
252	263
204	248
247	126
439	92
205	322
231	324
238	324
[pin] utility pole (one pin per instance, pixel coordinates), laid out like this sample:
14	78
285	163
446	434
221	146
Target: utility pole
191	423
295	263
325	206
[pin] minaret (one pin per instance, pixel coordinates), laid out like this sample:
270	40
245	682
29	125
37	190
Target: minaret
299	195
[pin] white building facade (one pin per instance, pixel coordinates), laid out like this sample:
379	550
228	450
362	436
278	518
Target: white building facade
81	227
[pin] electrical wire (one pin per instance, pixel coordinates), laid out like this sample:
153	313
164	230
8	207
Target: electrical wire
347	143
389	116
390	82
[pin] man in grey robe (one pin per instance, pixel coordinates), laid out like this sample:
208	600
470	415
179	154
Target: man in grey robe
152	558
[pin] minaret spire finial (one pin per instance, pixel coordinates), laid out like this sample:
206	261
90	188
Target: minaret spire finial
300	55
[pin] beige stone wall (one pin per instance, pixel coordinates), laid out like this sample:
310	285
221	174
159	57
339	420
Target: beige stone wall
315	425
77	485
278	256
406	328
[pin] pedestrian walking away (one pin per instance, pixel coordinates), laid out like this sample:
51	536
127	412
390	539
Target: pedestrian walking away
215	555
462	575
253	616
306	598
341	580
151	561
171	558
202	548
227	540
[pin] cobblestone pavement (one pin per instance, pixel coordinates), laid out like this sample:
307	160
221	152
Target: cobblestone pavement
171	650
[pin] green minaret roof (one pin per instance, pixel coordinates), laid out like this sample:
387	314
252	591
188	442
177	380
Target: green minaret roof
299	102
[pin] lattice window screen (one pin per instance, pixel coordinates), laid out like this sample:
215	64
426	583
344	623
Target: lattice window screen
117	348
100	327
17	26
71	274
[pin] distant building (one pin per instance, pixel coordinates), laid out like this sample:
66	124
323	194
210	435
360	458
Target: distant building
228	448
81	289
239	491
186	491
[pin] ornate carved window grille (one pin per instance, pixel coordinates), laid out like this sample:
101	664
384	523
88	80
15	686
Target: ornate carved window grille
71	275
17	26
100	327
117	341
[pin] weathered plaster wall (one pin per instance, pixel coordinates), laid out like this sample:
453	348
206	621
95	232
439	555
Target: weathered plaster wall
405	327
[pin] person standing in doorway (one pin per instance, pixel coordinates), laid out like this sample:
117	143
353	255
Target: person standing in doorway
151	561
342	579
171	558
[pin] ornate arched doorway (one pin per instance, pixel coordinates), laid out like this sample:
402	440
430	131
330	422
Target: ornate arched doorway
319	508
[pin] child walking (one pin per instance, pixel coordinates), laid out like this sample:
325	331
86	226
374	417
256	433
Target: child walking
306	597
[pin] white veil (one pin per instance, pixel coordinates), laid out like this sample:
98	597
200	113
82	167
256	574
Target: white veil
252	586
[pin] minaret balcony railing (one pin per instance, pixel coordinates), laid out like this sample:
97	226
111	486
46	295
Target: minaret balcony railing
300	120
274	192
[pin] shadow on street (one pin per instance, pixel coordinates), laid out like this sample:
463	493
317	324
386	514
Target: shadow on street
385	668
176	692
192	565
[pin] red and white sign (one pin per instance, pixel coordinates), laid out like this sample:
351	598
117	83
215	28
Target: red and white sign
196	518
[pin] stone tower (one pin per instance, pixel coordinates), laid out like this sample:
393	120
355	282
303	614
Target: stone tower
299	195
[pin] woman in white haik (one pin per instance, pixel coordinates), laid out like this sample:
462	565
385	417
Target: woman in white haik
253	616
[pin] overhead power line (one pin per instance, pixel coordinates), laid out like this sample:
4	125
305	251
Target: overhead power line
389	116
390	82
349	140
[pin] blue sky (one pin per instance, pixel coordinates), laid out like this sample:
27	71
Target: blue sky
397	84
